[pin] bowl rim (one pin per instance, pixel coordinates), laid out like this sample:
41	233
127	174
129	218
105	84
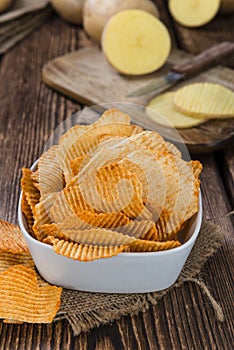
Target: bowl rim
123	254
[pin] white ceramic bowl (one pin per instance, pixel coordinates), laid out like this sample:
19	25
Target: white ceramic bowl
124	273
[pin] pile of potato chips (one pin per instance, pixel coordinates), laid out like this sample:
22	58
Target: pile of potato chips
110	187
192	105
24	296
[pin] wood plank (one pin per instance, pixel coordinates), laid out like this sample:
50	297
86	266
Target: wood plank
77	77
225	160
29	112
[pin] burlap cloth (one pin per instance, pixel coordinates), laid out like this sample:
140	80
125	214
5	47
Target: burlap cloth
84	310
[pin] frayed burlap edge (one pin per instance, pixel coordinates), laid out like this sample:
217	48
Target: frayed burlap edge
84	310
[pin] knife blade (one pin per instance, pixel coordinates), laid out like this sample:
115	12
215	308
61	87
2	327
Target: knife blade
189	68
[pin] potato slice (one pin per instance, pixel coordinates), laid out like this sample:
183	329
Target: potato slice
205	100
194	13
135	42
161	110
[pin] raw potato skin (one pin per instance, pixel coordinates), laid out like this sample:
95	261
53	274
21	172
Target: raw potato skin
135	42
4	4
97	12
70	10
193	13
227	6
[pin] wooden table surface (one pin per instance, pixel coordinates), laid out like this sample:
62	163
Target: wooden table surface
29	112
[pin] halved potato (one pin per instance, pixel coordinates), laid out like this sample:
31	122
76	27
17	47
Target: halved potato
135	42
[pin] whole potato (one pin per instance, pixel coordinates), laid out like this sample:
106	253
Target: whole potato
97	12
4	4
70	10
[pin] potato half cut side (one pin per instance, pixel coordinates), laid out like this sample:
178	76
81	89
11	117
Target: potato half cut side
135	42
194	13
161	110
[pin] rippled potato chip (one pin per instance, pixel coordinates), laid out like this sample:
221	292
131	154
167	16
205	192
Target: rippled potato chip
32	194
68	202
21	298
88	140
113	116
27	211
110	187
8	259
114	188
49	173
94	236
11	238
84	252
205	100
76	163
141	245
41	214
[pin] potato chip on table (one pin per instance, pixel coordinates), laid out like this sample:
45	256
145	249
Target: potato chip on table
11	239
21	298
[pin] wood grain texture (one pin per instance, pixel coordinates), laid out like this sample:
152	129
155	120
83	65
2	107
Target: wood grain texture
195	40
29	112
75	76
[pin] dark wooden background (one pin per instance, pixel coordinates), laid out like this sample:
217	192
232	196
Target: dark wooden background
29	112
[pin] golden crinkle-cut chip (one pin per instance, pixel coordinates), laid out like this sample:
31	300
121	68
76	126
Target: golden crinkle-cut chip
136	228
106	220
29	189
11	238
27	211
21	298
161	110
113	115
140	245
95	236
113	188
186	205
50	175
88	141
205	100
107	186
75	164
41	215
68	202
151	234
8	259
85	252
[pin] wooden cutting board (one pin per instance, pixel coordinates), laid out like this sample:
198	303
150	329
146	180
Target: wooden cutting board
86	77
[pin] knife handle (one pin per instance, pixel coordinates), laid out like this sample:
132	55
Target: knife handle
207	59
